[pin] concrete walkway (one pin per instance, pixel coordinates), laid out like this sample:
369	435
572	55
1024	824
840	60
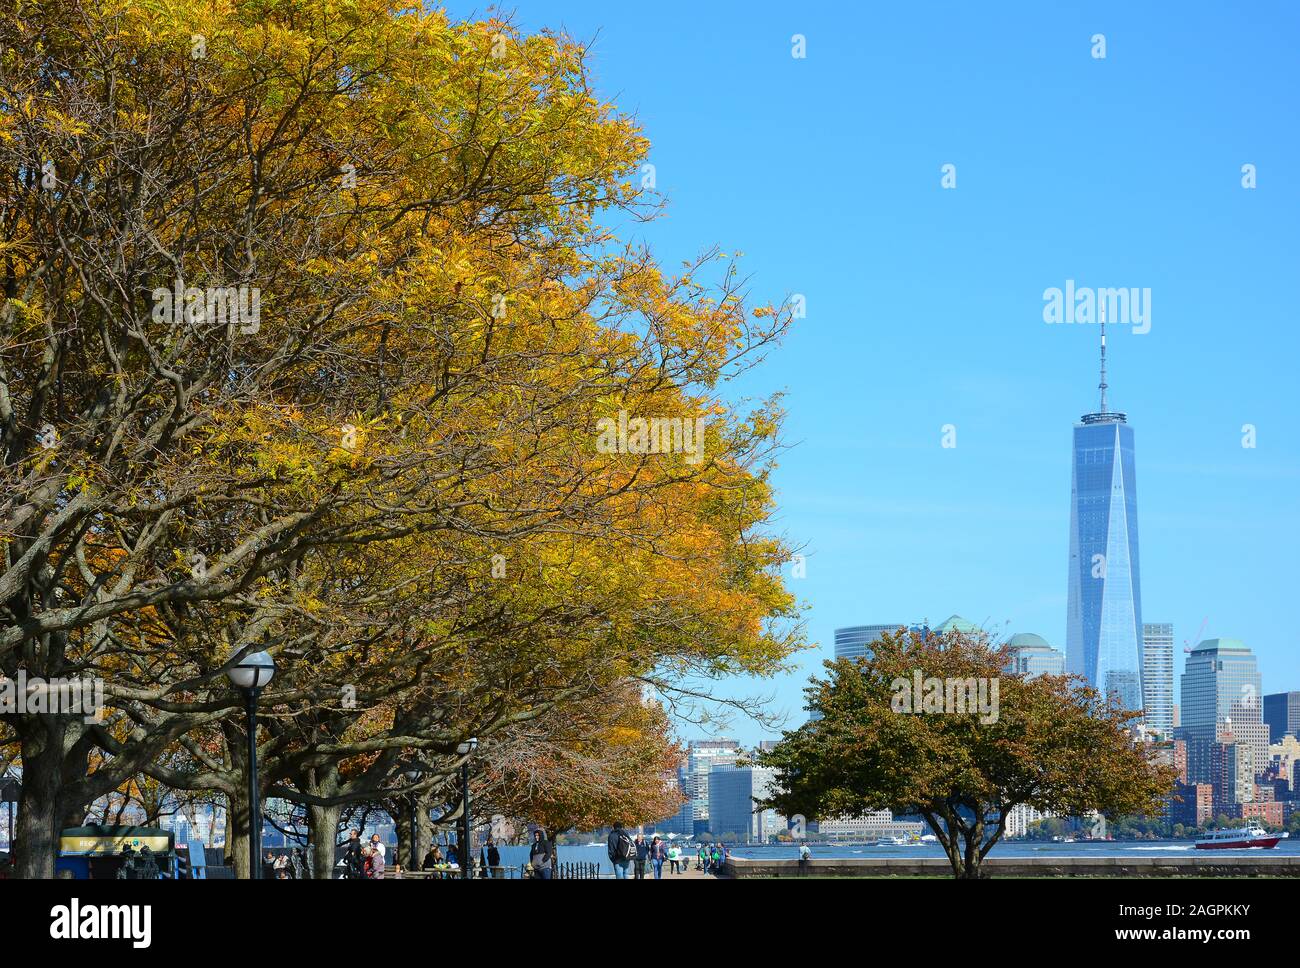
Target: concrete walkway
690	874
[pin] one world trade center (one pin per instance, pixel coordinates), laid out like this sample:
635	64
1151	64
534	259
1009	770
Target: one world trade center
1104	617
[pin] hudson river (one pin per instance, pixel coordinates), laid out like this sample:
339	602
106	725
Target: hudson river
1016	848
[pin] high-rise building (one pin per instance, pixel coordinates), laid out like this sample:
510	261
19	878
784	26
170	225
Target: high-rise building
1282	714
855	641
1103	640
1180	759
1232	771
1022	816
701	756
732	810
865	828
1195	805
1220	704
1284	760
1158	677
954	623
683	821
1030	655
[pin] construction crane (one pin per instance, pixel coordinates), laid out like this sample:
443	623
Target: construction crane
1188	646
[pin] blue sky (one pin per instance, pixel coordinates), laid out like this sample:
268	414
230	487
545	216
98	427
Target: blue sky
924	305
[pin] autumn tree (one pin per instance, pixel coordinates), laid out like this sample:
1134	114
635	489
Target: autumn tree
309	324
610	760
909	730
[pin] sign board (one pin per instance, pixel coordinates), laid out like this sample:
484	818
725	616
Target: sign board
82	841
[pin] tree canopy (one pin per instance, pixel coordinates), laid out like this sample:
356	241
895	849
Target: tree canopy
877	742
311	315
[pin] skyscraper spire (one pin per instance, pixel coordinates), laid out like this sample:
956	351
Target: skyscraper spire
1102	385
1104	634
1103	415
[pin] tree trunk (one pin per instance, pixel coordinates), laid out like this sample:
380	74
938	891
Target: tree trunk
322	835
39	810
402	814
423	830
237	833
945	830
971	870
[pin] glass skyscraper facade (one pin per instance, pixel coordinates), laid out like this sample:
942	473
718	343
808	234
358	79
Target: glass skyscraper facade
855	641
701	756
732	811
1220	702
1282	715
1103	641
1158	677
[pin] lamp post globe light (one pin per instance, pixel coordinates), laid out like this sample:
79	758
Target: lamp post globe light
465	750
251	675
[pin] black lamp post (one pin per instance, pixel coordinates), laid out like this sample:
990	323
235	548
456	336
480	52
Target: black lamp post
413	776
251	675
465	749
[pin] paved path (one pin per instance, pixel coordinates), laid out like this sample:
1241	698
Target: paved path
690	874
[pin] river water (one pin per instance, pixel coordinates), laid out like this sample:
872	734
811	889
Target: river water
1007	848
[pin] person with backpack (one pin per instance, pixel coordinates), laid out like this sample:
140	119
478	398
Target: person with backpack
642	855
621	850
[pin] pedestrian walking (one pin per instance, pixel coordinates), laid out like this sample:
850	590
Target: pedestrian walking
621	850
353	859
642	855
539	856
657	857
675	859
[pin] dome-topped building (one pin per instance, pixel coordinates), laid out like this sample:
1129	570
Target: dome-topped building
955	623
1031	655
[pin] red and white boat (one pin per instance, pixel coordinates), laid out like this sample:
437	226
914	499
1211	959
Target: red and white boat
1238	839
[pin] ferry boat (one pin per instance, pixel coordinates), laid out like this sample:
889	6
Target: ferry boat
1238	838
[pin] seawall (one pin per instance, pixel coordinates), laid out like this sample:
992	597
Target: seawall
1195	866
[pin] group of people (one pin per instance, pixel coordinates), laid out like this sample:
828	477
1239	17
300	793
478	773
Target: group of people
635	854
368	860
630	856
364	861
489	859
286	866
710	858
